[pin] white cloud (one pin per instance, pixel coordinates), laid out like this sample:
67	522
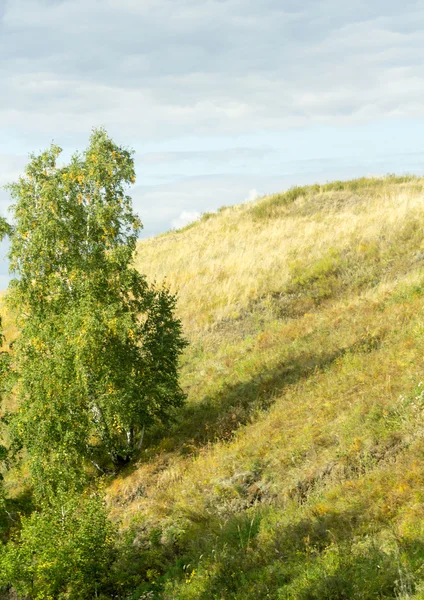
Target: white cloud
11	166
166	68
222	156
252	195
185	218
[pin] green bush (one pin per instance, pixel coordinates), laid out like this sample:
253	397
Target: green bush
64	550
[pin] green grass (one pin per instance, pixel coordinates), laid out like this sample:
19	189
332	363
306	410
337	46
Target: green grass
319	495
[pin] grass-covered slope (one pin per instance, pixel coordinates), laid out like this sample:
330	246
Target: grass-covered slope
296	470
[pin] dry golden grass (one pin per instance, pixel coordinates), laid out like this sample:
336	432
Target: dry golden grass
220	265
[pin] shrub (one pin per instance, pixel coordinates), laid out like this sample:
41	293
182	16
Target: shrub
64	550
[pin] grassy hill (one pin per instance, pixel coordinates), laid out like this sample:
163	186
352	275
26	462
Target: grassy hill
296	469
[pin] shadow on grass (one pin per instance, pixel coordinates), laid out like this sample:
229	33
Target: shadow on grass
218	416
251	555
314	559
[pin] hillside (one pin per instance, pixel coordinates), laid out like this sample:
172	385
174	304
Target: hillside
296	469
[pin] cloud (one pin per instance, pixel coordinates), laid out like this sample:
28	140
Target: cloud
252	195
162	206
185	218
163	68
11	166
221	156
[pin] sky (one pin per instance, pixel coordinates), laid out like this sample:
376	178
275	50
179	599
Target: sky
222	100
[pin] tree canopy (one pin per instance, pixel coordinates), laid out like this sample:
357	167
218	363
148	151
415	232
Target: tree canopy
97	358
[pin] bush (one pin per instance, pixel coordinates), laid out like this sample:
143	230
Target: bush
63	550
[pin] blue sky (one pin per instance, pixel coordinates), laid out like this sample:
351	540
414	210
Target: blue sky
221	99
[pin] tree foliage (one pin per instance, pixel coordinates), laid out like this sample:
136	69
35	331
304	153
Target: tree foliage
4	364
97	359
5	229
64	550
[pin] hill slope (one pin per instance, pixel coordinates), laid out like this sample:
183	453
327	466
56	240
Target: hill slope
296	470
